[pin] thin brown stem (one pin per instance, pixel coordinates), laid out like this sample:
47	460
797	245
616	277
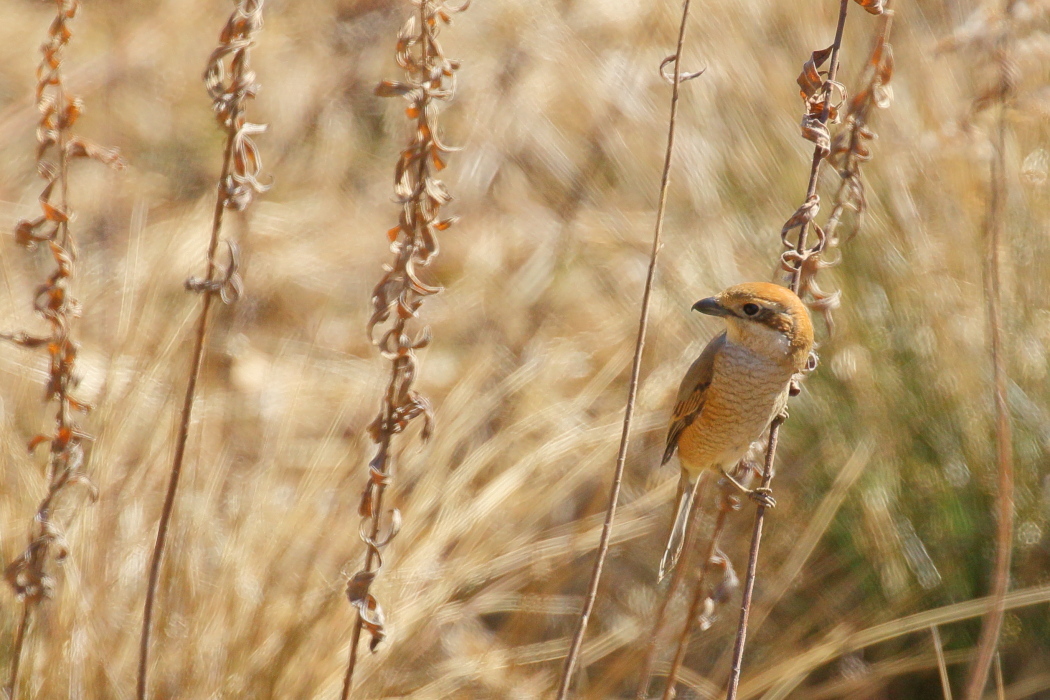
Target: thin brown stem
382	463
1000	686
55	303
238	182
942	667
994	230
184	423
752	564
678	575
16	649
636	366
430	79
774	430
699	595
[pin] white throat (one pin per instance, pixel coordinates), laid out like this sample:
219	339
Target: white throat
759	339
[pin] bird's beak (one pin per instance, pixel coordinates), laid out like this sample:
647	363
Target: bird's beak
711	307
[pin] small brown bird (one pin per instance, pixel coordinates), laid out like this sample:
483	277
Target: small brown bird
735	389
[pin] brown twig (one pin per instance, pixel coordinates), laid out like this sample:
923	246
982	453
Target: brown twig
54	302
847	152
16	650
994	229
800	260
942	667
676	80
430	78
1000	686
704	599
677	577
238	183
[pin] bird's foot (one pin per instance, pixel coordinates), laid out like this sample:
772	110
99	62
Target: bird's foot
762	495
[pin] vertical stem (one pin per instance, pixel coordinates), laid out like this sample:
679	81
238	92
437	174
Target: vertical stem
636	367
382	458
774	429
942	667
752	564
63	249
994	225
184	424
694	606
16	653
1000	687
691	533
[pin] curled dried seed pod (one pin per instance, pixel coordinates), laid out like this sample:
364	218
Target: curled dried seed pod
430	78
28	573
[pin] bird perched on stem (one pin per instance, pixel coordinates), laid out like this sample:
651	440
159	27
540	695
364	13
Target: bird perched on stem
735	389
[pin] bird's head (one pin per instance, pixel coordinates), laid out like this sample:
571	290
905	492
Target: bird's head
766	318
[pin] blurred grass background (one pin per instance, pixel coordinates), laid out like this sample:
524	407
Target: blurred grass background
561	117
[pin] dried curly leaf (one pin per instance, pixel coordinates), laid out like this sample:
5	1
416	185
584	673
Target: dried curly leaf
74	108
77	147
813	129
25	340
83	480
682	77
25	232
37	441
802	216
810	80
53	213
390	88
369	611
408	32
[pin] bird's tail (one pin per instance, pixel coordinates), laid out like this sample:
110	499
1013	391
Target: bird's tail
686	493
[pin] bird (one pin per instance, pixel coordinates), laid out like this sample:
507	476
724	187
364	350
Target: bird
734	390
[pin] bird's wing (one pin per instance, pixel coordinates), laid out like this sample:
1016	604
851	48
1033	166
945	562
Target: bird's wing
691	394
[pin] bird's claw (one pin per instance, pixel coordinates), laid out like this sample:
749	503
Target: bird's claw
763	495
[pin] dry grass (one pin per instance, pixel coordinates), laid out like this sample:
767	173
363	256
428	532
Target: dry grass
558	109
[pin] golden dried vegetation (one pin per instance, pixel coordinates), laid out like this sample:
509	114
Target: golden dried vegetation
886	476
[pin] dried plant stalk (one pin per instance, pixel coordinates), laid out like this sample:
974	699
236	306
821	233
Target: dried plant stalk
803	261
849	150
675	79
57	146
942	667
994	226
702	605
677	578
430	80
230	89
846	152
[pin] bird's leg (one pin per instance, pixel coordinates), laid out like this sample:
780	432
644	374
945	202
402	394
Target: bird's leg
762	495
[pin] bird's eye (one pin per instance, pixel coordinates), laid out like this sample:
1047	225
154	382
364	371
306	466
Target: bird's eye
751	309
